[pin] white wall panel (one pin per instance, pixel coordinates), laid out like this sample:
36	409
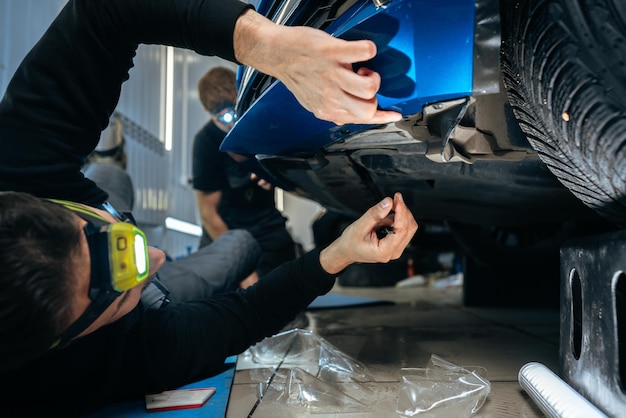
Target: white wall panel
140	98
166	179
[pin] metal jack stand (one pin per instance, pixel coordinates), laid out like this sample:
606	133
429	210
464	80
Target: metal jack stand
593	319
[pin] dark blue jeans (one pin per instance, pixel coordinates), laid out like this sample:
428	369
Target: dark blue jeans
276	244
216	268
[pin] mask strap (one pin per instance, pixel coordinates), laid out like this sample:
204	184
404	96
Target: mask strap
82	211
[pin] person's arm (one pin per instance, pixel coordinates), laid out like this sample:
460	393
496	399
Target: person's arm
209	331
214	225
57	104
208	204
315	67
65	89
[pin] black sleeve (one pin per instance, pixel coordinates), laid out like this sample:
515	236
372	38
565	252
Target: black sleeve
208	174
199	336
62	94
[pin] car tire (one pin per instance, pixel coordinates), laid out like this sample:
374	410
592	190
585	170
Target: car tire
564	69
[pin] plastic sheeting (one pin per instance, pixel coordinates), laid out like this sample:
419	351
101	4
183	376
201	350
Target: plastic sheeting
307	376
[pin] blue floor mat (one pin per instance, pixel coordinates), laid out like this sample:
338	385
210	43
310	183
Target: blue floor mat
215	407
217	404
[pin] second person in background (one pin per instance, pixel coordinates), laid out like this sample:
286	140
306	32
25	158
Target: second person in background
228	194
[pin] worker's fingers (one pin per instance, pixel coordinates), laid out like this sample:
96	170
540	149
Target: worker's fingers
353	51
376	214
403	226
351	98
360	242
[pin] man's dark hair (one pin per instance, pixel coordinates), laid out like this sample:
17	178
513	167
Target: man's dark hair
38	241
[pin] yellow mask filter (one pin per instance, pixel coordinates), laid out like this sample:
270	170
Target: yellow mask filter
119	251
128	255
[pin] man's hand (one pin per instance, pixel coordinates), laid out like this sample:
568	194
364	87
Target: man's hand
262	183
360	242
249	281
315	67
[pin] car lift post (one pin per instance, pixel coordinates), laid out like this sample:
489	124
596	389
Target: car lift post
593	319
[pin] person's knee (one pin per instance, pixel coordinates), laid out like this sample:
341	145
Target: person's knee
244	242
240	233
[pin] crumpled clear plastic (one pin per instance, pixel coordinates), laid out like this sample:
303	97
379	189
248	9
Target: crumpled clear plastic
313	376
307	376
442	390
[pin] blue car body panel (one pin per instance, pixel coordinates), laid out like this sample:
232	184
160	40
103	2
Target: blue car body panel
425	55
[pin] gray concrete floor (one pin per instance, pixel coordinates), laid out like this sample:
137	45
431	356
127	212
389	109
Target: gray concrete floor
424	321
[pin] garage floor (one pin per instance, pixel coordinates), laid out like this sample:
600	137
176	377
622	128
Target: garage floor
423	321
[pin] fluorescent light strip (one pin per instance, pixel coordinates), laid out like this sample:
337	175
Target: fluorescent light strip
169	97
553	396
183	226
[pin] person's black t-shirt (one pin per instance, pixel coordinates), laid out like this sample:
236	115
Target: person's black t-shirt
243	204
